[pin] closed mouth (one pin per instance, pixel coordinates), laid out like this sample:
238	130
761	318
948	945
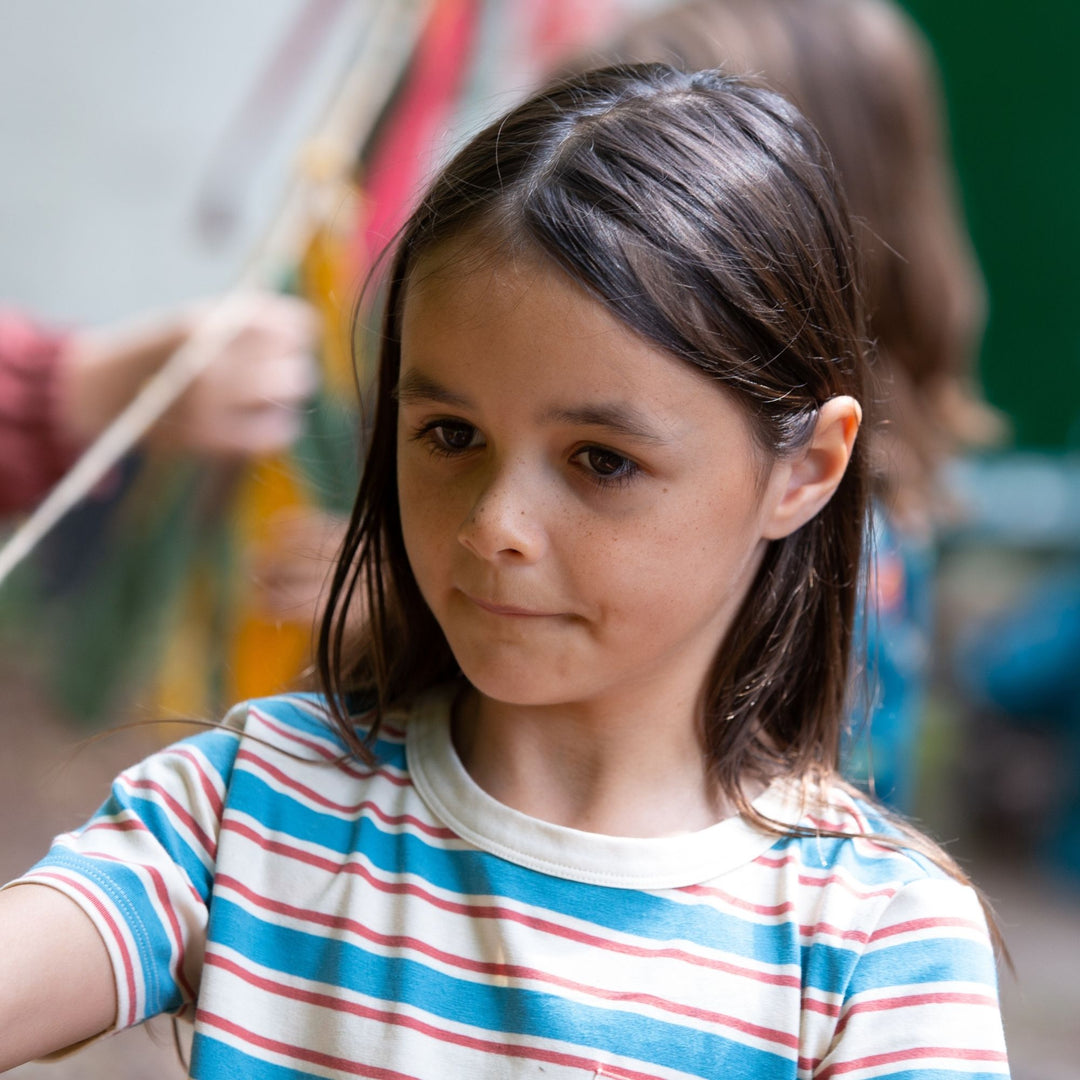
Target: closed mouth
508	610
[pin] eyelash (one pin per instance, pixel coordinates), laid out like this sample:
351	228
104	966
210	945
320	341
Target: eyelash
432	437
427	435
626	473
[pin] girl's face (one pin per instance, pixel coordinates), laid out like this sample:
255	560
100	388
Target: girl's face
583	513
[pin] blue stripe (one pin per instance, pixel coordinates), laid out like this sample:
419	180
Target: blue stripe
959	1073
211	1060
152	942
479	873
304	713
822	854
650	916
497	1009
288	713
218	747
937	959
162	826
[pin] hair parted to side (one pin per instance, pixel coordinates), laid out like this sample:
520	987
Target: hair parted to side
864	75
703	212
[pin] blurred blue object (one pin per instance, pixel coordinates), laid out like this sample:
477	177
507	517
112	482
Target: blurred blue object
1026	661
1023	664
897	626
1025	500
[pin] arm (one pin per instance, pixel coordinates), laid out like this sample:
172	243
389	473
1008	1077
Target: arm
58	392
56	980
108	929
33	453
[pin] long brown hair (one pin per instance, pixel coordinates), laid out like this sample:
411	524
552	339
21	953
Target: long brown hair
864	75
702	211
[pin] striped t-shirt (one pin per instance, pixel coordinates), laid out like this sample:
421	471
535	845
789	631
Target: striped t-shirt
323	918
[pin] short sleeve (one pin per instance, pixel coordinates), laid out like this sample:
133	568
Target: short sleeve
142	869
922	1001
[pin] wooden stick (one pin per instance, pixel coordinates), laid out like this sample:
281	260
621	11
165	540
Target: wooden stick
387	43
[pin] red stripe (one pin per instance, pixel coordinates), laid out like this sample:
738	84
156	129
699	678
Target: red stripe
736	902
824	929
826	1008
125	956
505	971
491	911
499	1047
178	811
805	930
208	786
104	825
804	879
916	1053
832	826
298	1053
940	997
349	809
913	925
358	772
288	733
166	906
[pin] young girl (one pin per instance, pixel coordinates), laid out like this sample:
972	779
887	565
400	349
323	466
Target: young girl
569	807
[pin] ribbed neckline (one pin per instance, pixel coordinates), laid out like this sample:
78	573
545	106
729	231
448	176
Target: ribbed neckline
592	858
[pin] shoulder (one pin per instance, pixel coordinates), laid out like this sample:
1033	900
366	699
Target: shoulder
887	887
872	880
838	829
303	726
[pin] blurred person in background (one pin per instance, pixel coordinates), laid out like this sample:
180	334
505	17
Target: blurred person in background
864	75
59	389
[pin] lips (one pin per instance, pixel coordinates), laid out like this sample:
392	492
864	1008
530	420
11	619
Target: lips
507	610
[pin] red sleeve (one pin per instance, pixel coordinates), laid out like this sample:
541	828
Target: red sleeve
33	454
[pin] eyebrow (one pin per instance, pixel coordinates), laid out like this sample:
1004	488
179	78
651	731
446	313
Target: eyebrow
622	419
414	386
417	387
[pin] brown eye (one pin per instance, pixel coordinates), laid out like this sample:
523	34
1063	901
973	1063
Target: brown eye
606	468
455	436
605	462
448	438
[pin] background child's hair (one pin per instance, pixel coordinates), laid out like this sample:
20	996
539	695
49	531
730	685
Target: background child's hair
863	74
702	211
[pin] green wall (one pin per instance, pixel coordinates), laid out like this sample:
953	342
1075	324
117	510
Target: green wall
1012	73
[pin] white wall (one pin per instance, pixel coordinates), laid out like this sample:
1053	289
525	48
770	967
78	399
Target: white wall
110	111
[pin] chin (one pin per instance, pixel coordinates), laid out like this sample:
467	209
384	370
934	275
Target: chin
515	684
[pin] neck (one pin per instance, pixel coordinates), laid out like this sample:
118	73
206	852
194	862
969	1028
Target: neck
631	768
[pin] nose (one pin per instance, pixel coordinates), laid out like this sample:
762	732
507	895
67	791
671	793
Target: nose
504	522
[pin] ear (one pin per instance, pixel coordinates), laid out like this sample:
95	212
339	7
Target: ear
807	481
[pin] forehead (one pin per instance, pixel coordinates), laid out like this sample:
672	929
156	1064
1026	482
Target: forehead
516	339
468	307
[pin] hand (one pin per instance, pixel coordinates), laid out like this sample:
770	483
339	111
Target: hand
249	399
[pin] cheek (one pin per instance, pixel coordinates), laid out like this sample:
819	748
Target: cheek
692	552
419	513
431	511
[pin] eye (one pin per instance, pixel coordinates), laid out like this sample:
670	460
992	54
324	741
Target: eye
606	467
448	436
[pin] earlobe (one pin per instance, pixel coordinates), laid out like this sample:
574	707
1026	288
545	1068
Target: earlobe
811	477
